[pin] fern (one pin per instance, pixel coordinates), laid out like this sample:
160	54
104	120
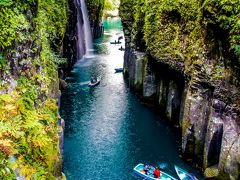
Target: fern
28	116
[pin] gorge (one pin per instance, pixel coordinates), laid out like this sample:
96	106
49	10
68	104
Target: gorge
179	89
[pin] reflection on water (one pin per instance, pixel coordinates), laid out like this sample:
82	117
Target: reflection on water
108	131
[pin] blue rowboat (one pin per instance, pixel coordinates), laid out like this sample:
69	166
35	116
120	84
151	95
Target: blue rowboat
118	70
139	170
184	175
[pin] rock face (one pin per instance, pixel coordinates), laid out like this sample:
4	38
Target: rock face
98	30
179	61
95	11
30	53
70	40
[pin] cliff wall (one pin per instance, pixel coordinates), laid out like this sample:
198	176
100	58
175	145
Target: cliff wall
31	38
183	56
95	11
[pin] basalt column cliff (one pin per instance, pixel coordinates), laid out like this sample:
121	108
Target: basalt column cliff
184	57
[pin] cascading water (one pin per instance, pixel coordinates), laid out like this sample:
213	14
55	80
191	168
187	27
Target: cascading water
80	38
87	29
84	33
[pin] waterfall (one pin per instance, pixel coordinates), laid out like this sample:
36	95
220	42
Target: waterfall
87	29
84	33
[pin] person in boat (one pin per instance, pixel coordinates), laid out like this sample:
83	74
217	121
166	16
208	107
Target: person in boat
146	168
93	79
156	172
121	37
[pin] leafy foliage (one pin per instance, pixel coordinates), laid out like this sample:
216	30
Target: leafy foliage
5	3
25	136
237	49
95	10
28	114
2	62
185	31
110	6
11	24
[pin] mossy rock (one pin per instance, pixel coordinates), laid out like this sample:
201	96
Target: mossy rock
211	172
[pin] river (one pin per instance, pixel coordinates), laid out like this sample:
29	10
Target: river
108	131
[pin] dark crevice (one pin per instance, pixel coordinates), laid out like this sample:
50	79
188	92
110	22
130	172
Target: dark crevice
215	147
172	81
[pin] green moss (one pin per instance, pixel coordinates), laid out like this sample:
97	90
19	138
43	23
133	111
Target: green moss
95	10
6	2
178	30
29	115
141	74
2	62
12	23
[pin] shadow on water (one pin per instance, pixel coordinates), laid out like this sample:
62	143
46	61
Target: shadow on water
108	131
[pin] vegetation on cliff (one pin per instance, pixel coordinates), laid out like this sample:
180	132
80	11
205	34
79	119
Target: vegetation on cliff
199	41
95	10
101	8
31	33
181	30
111	8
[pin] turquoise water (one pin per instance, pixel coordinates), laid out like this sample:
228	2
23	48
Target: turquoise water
108	131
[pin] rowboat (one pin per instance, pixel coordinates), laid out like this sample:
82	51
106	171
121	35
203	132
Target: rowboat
184	175
139	170
118	70
121	49
116	42
93	84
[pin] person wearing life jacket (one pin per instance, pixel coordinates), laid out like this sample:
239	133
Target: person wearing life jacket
156	172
